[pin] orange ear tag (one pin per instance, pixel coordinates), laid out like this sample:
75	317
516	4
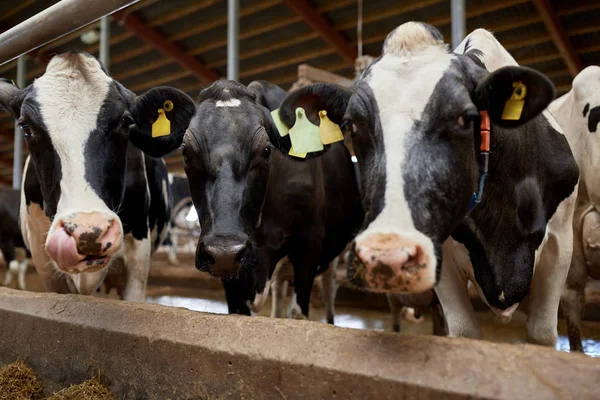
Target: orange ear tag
294	154
513	108
330	132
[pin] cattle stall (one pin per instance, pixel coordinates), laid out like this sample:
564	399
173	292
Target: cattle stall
118	268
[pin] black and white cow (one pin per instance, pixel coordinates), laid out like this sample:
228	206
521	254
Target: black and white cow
416	123
257	205
11	241
578	113
90	202
184	219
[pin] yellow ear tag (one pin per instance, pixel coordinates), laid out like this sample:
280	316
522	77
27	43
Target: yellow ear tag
293	153
283	130
330	132
162	125
304	134
513	108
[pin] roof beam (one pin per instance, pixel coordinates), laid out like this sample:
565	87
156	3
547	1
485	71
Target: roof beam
324	27
559	36
160	42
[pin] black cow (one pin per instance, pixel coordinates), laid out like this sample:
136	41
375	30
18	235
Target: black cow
257	205
10	236
91	202
419	122
184	220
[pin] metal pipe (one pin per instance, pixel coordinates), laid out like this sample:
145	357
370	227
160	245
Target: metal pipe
459	22
105	42
18	146
54	22
233	38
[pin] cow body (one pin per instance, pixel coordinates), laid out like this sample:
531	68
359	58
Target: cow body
578	112
182	207
11	241
90	202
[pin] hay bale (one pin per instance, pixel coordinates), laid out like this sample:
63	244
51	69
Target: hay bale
91	389
19	382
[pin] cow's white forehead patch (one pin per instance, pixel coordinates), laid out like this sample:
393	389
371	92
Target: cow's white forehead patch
410	38
70	95
228	103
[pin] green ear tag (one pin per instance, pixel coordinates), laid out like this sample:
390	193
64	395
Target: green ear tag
162	125
283	130
330	132
304	134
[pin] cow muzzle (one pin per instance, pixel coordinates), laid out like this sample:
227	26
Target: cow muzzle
224	256
84	242
390	263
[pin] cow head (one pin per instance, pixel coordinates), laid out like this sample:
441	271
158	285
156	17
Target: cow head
76	122
415	121
226	152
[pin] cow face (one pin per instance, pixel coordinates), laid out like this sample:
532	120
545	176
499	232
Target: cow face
76	123
415	117
226	152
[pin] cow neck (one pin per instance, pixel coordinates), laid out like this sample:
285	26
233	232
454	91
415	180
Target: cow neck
484	158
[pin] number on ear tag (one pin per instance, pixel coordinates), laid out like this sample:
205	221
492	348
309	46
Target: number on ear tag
162	125
283	130
294	154
304	134
330	132
513	108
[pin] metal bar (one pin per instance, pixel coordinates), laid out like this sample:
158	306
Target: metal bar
233	40
459	22
18	149
54	22
105	42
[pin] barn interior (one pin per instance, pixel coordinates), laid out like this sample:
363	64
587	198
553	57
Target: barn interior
184	44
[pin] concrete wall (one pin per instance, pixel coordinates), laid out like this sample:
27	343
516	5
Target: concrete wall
154	352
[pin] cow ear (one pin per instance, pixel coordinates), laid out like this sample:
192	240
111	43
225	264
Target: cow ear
10	97
177	107
514	95
267	94
313	99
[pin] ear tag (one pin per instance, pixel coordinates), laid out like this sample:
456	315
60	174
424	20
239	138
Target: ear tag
294	154
162	125
283	130
330	132
513	108
304	134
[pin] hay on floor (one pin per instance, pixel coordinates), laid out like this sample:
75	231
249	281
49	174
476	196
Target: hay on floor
19	382
91	389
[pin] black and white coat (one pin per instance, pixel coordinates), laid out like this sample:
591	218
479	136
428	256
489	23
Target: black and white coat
77	122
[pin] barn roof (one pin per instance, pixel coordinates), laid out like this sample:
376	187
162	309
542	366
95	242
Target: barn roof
553	36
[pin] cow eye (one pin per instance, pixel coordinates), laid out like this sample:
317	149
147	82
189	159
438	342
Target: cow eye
266	152
25	128
127	120
467	118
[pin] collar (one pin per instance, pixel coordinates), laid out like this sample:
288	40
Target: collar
484	160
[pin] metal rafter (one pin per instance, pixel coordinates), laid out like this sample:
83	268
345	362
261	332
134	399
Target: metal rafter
324	27
559	36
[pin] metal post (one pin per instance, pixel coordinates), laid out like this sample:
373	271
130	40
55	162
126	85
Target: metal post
233	37
105	42
458	22
18	146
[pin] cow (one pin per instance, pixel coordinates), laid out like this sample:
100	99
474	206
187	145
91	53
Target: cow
180	218
257	205
578	112
442	203
11	241
90	201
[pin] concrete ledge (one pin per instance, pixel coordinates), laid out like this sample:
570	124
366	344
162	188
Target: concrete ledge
155	352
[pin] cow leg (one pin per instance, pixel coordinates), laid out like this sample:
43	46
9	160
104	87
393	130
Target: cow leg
173	249
550	274
304	279
439	322
395	308
137	266
22	273
453	294
8	251
279	292
329	290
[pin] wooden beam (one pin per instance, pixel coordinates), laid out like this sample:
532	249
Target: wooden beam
320	75
559	36
160	42
319	23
